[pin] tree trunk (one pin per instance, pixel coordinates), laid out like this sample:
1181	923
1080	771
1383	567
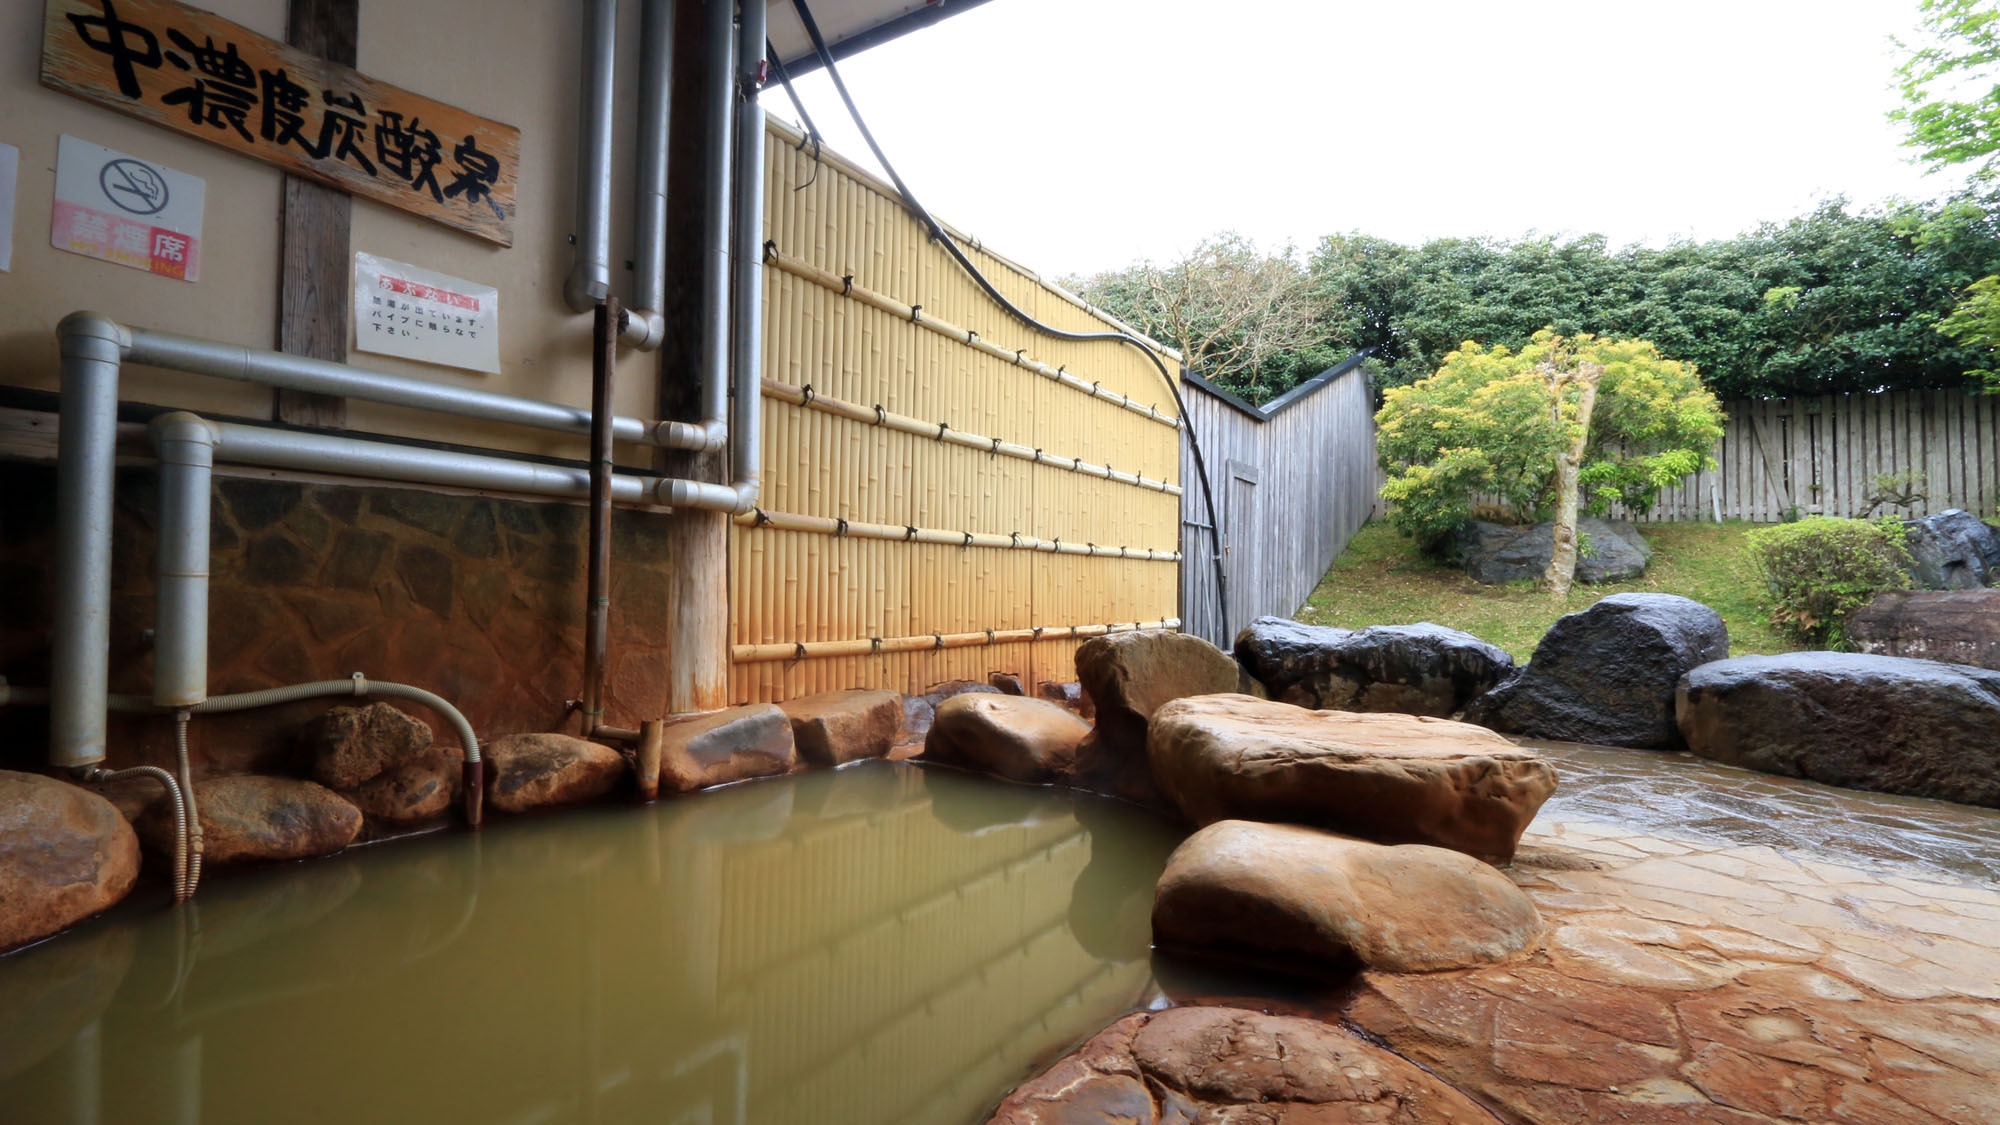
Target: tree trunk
1562	559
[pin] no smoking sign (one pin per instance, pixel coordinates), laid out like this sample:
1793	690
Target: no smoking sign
118	208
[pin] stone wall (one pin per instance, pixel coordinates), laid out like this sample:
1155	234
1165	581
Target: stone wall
477	599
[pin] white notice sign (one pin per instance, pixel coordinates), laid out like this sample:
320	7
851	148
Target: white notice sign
10	167
118	208
415	313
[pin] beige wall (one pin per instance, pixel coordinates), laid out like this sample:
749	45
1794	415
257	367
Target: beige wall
511	60
516	61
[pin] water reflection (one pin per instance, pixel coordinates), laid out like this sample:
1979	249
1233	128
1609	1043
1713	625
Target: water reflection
879	943
1681	795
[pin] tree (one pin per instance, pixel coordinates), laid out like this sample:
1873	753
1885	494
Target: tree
1952	87
1566	424
1245	319
1953	110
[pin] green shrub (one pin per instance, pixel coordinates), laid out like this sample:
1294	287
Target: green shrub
1820	569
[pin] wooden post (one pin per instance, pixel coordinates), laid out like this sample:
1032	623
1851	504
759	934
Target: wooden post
312	274
698	635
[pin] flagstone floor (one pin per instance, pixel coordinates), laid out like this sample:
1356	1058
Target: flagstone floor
1730	947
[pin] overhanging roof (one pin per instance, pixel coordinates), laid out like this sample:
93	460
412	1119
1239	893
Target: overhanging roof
851	26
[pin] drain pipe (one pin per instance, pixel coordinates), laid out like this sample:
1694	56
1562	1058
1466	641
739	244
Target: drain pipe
185	445
80	666
589	278
747	300
597	597
645	324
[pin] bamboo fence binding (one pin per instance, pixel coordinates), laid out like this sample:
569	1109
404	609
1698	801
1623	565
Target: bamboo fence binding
938	431
857	529
928	642
915	315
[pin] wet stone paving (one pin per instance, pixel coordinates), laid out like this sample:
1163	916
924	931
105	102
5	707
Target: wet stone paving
1725	946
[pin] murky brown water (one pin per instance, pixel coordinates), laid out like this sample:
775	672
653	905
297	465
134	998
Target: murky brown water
882	943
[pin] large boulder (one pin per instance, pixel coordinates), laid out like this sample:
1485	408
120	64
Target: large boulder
351	745
1421	669
420	789
1949	626
1305	900
1607	674
383	761
1015	737
733	744
1494	554
1885	723
1127	677
1231	1065
1953	550
1392	779
535	770
833	728
919	711
252	819
65	854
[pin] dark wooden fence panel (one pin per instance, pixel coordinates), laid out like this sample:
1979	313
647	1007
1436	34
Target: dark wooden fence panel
1292	482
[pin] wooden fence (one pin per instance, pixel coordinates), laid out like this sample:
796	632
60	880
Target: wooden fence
1819	454
1293	480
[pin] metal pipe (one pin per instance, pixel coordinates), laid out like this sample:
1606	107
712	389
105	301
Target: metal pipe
80	666
597	597
324	453
185	445
747	298
195	845
100	776
589	278
276	369
719	75
645	323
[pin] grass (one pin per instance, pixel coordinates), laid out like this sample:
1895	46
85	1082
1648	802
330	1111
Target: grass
1381	579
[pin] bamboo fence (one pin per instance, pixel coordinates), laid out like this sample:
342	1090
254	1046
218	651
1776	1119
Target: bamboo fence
946	492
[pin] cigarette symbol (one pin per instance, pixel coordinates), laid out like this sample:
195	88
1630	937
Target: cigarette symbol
133	187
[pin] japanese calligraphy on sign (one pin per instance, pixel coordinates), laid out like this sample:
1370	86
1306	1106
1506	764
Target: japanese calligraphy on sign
409	311
199	74
118	208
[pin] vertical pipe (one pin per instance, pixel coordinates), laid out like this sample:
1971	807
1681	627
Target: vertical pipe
186	448
589	278
747	297
79	671
646	761
604	361
717	82
649	218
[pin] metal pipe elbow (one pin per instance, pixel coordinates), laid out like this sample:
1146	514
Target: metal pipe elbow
84	333
695	437
644	329
733	499
588	283
182	438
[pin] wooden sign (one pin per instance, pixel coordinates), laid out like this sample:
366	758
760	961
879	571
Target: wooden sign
201	75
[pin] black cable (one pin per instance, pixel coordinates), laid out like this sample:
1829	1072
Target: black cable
938	234
805	119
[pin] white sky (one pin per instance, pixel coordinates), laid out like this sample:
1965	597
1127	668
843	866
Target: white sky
1078	135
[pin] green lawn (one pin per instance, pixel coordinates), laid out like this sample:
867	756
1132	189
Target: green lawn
1381	580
